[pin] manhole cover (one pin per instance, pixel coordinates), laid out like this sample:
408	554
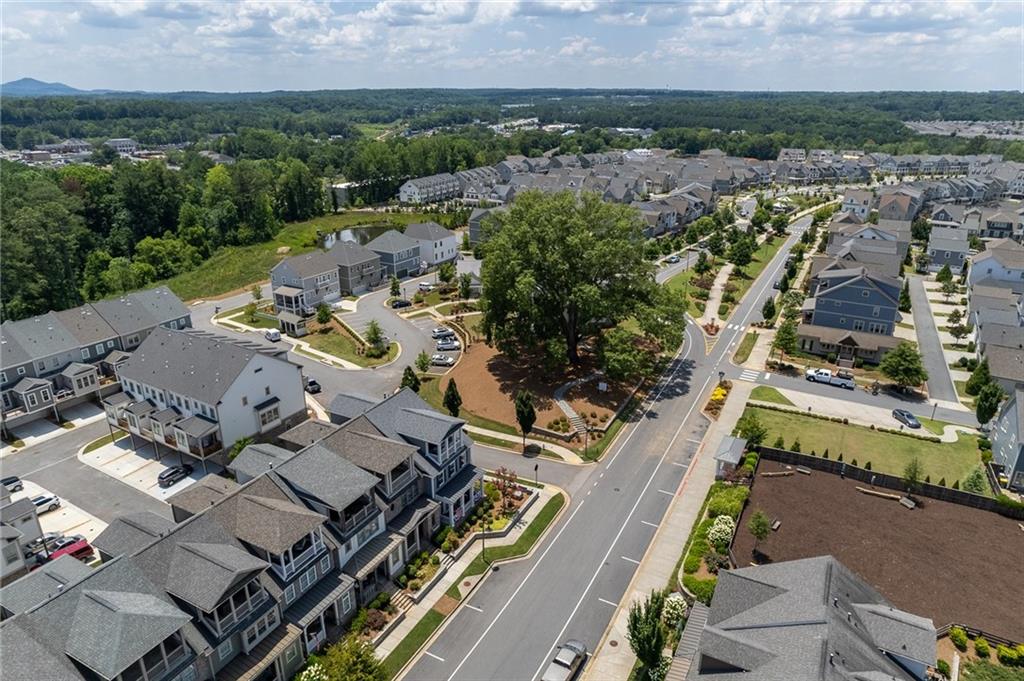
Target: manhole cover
613	643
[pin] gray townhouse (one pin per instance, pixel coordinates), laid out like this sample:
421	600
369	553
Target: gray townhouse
399	254
882	257
431	189
197	394
59	359
359	268
1000	224
858	202
1007	436
852	314
802	619
948	215
19	527
947	246
482	219
299	284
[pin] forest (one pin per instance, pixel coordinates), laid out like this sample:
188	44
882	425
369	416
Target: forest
85	231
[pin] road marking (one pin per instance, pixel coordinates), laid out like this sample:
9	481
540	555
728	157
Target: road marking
630	560
676	463
767	376
693	440
602	475
650	524
519	588
614	605
473	607
589	491
595	483
439	659
671	494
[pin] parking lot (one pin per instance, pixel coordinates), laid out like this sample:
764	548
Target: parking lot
140	468
68	519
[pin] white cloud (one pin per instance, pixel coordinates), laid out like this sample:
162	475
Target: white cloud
578	45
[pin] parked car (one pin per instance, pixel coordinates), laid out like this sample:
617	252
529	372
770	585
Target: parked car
312	386
906	418
45	503
672	259
45	542
399	303
63	542
80	549
448	344
272	335
426	286
174	474
777	284
13	483
442	360
441	332
843	379
568	660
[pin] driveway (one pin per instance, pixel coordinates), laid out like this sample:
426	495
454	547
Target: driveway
68	519
45	429
139	468
940	385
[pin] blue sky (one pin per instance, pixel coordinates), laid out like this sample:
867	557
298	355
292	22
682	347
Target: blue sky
308	44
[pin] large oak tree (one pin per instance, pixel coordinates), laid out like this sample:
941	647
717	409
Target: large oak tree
559	267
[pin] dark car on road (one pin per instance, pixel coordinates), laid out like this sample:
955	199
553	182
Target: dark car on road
568	660
13	483
906	418
399	303
312	386
173	475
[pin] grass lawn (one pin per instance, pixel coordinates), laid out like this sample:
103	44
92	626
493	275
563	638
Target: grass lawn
932	426
446	309
682	283
105	440
904	325
746	345
235	267
762	256
989	671
959	347
421	313
408	646
346	347
520	547
888	453
261	321
961	391
766	394
373	130
431	392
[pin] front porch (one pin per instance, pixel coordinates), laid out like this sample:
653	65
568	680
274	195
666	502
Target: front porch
323	610
265	661
417	523
460	494
292	324
374	565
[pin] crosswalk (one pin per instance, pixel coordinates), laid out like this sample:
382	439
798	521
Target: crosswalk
751	375
427	322
736	327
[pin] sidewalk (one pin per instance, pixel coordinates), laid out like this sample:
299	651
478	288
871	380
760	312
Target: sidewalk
568	456
715	295
659	563
415	613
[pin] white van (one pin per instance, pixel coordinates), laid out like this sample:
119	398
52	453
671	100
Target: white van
272	335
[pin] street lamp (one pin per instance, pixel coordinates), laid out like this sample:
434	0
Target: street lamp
535	467
934	407
721	377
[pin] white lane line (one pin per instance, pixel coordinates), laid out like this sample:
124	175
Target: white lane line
602	474
671	494
473	607
614	605
767	376
520	588
676	463
693	440
630	560
439	659
649	524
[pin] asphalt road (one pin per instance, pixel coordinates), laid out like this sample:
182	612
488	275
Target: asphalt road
940	385
571	585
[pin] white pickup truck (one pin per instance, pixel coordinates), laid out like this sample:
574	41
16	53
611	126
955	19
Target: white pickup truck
841	378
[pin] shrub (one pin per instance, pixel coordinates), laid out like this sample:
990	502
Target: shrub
723	309
442	534
825	455
854	462
958	637
956	484
970	346
359	621
721	532
402	580
981	647
716	561
728	501
446	546
943	668
840	457
867	466
1009	656
376	620
674	610
435	559
415	584
381	601
795	447
779	443
702	589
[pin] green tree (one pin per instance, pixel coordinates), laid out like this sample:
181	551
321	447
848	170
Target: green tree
645	632
741	253
751	429
96	264
396	287
768	309
623	356
980	377
323	314
256	293
410	380
760	218
299	195
920	229
988	402
912	474
526	415
465	285
975	481
374	335
560	267
123	275
423	361
167	256
759	526
703	264
949	288
249	311
240	444
944	275
716	244
905	304
452	400
780	223
903	366
786	338
446	272
351	659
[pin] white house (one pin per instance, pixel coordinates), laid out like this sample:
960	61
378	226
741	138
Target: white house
198	393
858	202
437	244
1000	264
429	189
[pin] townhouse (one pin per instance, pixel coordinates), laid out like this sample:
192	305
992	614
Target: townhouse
198	393
399	254
436	244
851	314
431	189
1007	436
947	246
300	284
1000	264
858	202
19	527
59	359
480	221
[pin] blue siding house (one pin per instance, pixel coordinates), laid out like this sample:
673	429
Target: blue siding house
1008	440
399	254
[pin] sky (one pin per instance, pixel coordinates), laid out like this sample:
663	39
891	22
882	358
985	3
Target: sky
308	44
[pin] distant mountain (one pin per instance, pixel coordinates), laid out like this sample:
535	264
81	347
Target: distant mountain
30	87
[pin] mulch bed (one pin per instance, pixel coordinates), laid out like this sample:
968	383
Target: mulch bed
945	561
446	605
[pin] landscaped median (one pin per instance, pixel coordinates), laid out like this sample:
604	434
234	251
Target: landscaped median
406	650
707	550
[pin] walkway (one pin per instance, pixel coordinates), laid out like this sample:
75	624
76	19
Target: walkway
567	455
298	344
940	385
658	565
715	295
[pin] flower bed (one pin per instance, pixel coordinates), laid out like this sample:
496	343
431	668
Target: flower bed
374	618
419	571
718	396
708	548
503	497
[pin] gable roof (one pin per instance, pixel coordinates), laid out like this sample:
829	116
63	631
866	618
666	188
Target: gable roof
351	253
258	458
392	241
202	494
134	312
202	574
329	477
1006	252
428	231
129	533
35	587
367	449
272	524
308	264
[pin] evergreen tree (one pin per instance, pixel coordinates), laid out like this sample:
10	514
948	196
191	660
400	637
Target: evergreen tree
980	377
526	415
988	402
452	399
410	379
905	304
768	309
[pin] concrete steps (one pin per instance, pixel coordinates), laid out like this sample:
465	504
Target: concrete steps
401	600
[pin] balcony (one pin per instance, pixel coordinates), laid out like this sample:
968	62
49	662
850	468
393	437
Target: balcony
224	624
202	451
288	568
402	480
354	521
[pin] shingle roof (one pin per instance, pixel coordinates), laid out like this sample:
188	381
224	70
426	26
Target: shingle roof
267	523
430	231
202	574
334	480
1005	363
1006	252
307	432
86	325
257	459
203	493
129	533
39	336
406	414
392	241
369	451
351	253
134	312
309	264
37	586
350	405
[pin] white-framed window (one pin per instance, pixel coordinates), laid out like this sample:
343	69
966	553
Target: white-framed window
41	365
3	376
269	415
307	579
325	564
99	348
865	293
110	344
224	650
85	353
133	339
21	371
289	593
289	654
346	601
32	401
858	324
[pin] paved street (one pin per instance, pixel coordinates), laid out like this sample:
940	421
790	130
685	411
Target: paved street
940	385
576	577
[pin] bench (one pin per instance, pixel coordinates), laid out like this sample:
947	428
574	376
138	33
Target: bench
776	474
776	525
908	502
803	469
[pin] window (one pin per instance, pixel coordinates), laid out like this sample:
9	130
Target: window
110	344
875	311
346	601
41	366
325	564
85	353
133	339
307	579
32	401
269	416
3	376
842	320
289	655
858	324
266	390
21	371
289	593
245	400
865	293
224	650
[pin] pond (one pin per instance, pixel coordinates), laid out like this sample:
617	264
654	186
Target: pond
362	234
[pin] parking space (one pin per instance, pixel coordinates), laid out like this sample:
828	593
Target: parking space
44	429
140	468
68	519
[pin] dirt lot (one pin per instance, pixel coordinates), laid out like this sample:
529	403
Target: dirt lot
488	382
948	562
